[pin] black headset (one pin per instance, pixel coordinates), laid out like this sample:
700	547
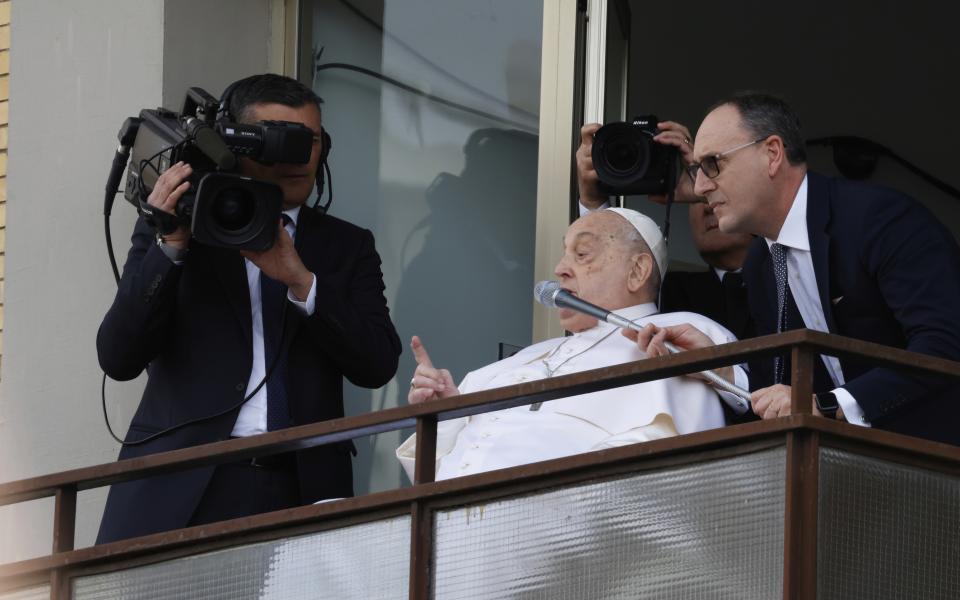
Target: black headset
322	176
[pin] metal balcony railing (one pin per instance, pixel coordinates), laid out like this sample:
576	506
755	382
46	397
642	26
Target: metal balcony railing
820	482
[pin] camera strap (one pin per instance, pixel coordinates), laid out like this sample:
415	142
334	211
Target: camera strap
163	222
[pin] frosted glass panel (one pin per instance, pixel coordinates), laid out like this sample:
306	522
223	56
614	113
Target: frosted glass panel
886	531
710	530
357	562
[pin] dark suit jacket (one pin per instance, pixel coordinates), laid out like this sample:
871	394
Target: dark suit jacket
702	292
887	272
190	327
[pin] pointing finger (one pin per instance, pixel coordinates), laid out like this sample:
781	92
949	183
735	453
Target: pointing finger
420	353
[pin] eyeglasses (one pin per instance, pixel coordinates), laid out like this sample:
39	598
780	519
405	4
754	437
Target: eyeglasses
711	164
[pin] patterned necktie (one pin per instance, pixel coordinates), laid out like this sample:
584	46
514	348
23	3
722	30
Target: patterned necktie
273	298
779	253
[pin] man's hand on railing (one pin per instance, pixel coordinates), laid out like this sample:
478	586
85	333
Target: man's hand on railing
428	382
652	340
774	401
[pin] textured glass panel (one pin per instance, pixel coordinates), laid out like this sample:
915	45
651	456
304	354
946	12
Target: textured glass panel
34	593
886	530
708	530
362	561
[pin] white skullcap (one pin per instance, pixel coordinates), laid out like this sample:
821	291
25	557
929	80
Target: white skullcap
650	233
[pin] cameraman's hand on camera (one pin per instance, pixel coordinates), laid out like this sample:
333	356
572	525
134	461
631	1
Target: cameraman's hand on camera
677	135
587	180
170	186
282	263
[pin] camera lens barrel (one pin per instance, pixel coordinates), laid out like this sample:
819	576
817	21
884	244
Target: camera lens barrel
233	211
623	152
628	161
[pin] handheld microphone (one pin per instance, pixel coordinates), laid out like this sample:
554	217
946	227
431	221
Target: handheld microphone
551	295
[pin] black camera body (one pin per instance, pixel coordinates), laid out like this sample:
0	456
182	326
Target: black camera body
628	161
222	208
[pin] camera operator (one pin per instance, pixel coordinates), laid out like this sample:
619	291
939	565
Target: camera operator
718	292
208	324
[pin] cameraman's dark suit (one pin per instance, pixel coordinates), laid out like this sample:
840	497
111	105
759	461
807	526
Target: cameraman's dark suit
887	272
190	326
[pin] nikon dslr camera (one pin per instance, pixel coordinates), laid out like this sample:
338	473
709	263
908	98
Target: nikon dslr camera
628	161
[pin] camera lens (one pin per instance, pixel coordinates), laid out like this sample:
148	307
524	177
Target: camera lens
624	153
628	161
233	209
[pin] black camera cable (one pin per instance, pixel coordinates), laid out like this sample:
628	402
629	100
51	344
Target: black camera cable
162	432
324	183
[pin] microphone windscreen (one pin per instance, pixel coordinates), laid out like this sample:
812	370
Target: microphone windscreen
211	144
545	293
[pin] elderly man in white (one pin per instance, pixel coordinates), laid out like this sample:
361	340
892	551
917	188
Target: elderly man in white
613	258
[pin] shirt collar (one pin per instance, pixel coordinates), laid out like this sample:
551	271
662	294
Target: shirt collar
721	272
293	213
793	233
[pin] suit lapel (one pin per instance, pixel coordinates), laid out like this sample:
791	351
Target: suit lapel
761	287
305	243
818	219
232	272
769	286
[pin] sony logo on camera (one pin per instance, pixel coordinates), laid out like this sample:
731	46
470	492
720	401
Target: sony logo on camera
222	208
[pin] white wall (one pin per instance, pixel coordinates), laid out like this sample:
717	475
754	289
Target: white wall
77	70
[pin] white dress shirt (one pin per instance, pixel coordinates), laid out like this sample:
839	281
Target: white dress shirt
253	414
803	286
568	426
586	211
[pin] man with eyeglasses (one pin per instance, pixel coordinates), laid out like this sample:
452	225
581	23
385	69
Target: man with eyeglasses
832	255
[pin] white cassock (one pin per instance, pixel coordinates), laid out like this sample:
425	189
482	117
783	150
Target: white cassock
567	426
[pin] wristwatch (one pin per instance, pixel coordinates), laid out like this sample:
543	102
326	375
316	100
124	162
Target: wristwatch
827	404
175	255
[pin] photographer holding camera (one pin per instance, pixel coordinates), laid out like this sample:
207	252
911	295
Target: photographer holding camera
717	293
671	134
237	343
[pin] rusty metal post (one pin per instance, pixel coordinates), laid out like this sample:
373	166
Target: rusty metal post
800	515
64	518
421	521
801	380
425	468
